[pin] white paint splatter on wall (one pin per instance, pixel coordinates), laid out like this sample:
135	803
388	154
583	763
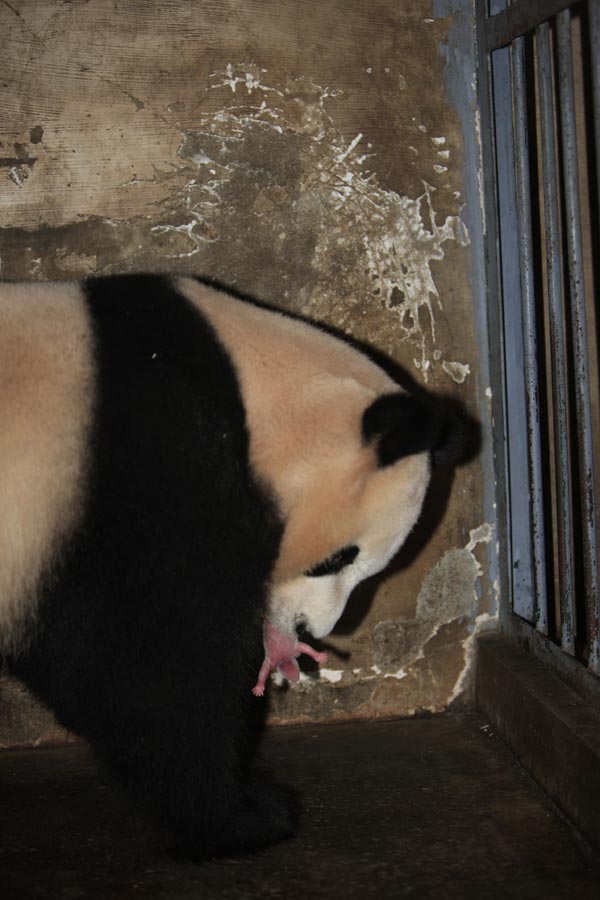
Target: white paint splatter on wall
456	370
397	236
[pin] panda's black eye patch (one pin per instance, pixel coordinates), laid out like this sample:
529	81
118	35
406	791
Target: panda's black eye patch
334	563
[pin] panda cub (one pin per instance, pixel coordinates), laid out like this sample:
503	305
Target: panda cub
180	472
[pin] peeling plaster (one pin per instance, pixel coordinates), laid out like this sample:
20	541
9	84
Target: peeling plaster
480	184
19	163
457	371
331	675
448	594
18	175
484	622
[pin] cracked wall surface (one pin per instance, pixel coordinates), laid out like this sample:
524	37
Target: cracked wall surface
309	155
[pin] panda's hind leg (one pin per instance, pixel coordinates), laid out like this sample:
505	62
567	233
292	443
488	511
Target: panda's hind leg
167	713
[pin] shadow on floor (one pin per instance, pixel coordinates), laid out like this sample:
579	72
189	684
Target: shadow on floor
421	808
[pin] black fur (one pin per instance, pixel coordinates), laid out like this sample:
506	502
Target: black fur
148	635
452	442
335	563
400	425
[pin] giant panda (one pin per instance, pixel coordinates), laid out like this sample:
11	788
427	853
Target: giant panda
178	466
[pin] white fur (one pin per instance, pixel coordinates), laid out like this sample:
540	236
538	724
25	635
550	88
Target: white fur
46	396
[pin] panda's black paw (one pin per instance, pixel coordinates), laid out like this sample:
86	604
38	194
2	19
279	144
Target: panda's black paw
264	814
267	814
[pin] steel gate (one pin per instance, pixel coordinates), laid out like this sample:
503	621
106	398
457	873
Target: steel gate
539	71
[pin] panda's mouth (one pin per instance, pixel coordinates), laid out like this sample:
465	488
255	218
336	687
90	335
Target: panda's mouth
281	653
301	626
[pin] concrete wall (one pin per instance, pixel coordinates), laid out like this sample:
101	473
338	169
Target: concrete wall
320	155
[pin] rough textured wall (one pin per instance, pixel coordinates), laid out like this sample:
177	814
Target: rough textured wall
306	153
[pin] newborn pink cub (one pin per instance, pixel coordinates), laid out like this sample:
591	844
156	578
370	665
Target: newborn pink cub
281	652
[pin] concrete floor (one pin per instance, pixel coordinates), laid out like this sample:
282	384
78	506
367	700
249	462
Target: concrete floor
421	808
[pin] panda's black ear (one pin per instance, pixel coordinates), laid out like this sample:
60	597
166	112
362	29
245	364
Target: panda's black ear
452	444
400	425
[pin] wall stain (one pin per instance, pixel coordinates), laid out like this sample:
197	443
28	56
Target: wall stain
36	134
18	165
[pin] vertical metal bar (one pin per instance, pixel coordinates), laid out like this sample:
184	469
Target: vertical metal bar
515	392
558	356
579	327
594	36
496	330
524	231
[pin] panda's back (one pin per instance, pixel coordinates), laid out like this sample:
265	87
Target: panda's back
46	403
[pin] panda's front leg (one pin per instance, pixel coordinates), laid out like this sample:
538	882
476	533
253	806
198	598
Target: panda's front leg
206	812
178	751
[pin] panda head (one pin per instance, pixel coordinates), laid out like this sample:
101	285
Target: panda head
344	452
349	512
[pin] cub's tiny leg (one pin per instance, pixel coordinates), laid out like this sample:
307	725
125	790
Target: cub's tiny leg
310	651
259	688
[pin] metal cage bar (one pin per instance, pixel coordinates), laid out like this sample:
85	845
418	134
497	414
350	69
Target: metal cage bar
578	315
522	576
530	329
594	29
558	352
